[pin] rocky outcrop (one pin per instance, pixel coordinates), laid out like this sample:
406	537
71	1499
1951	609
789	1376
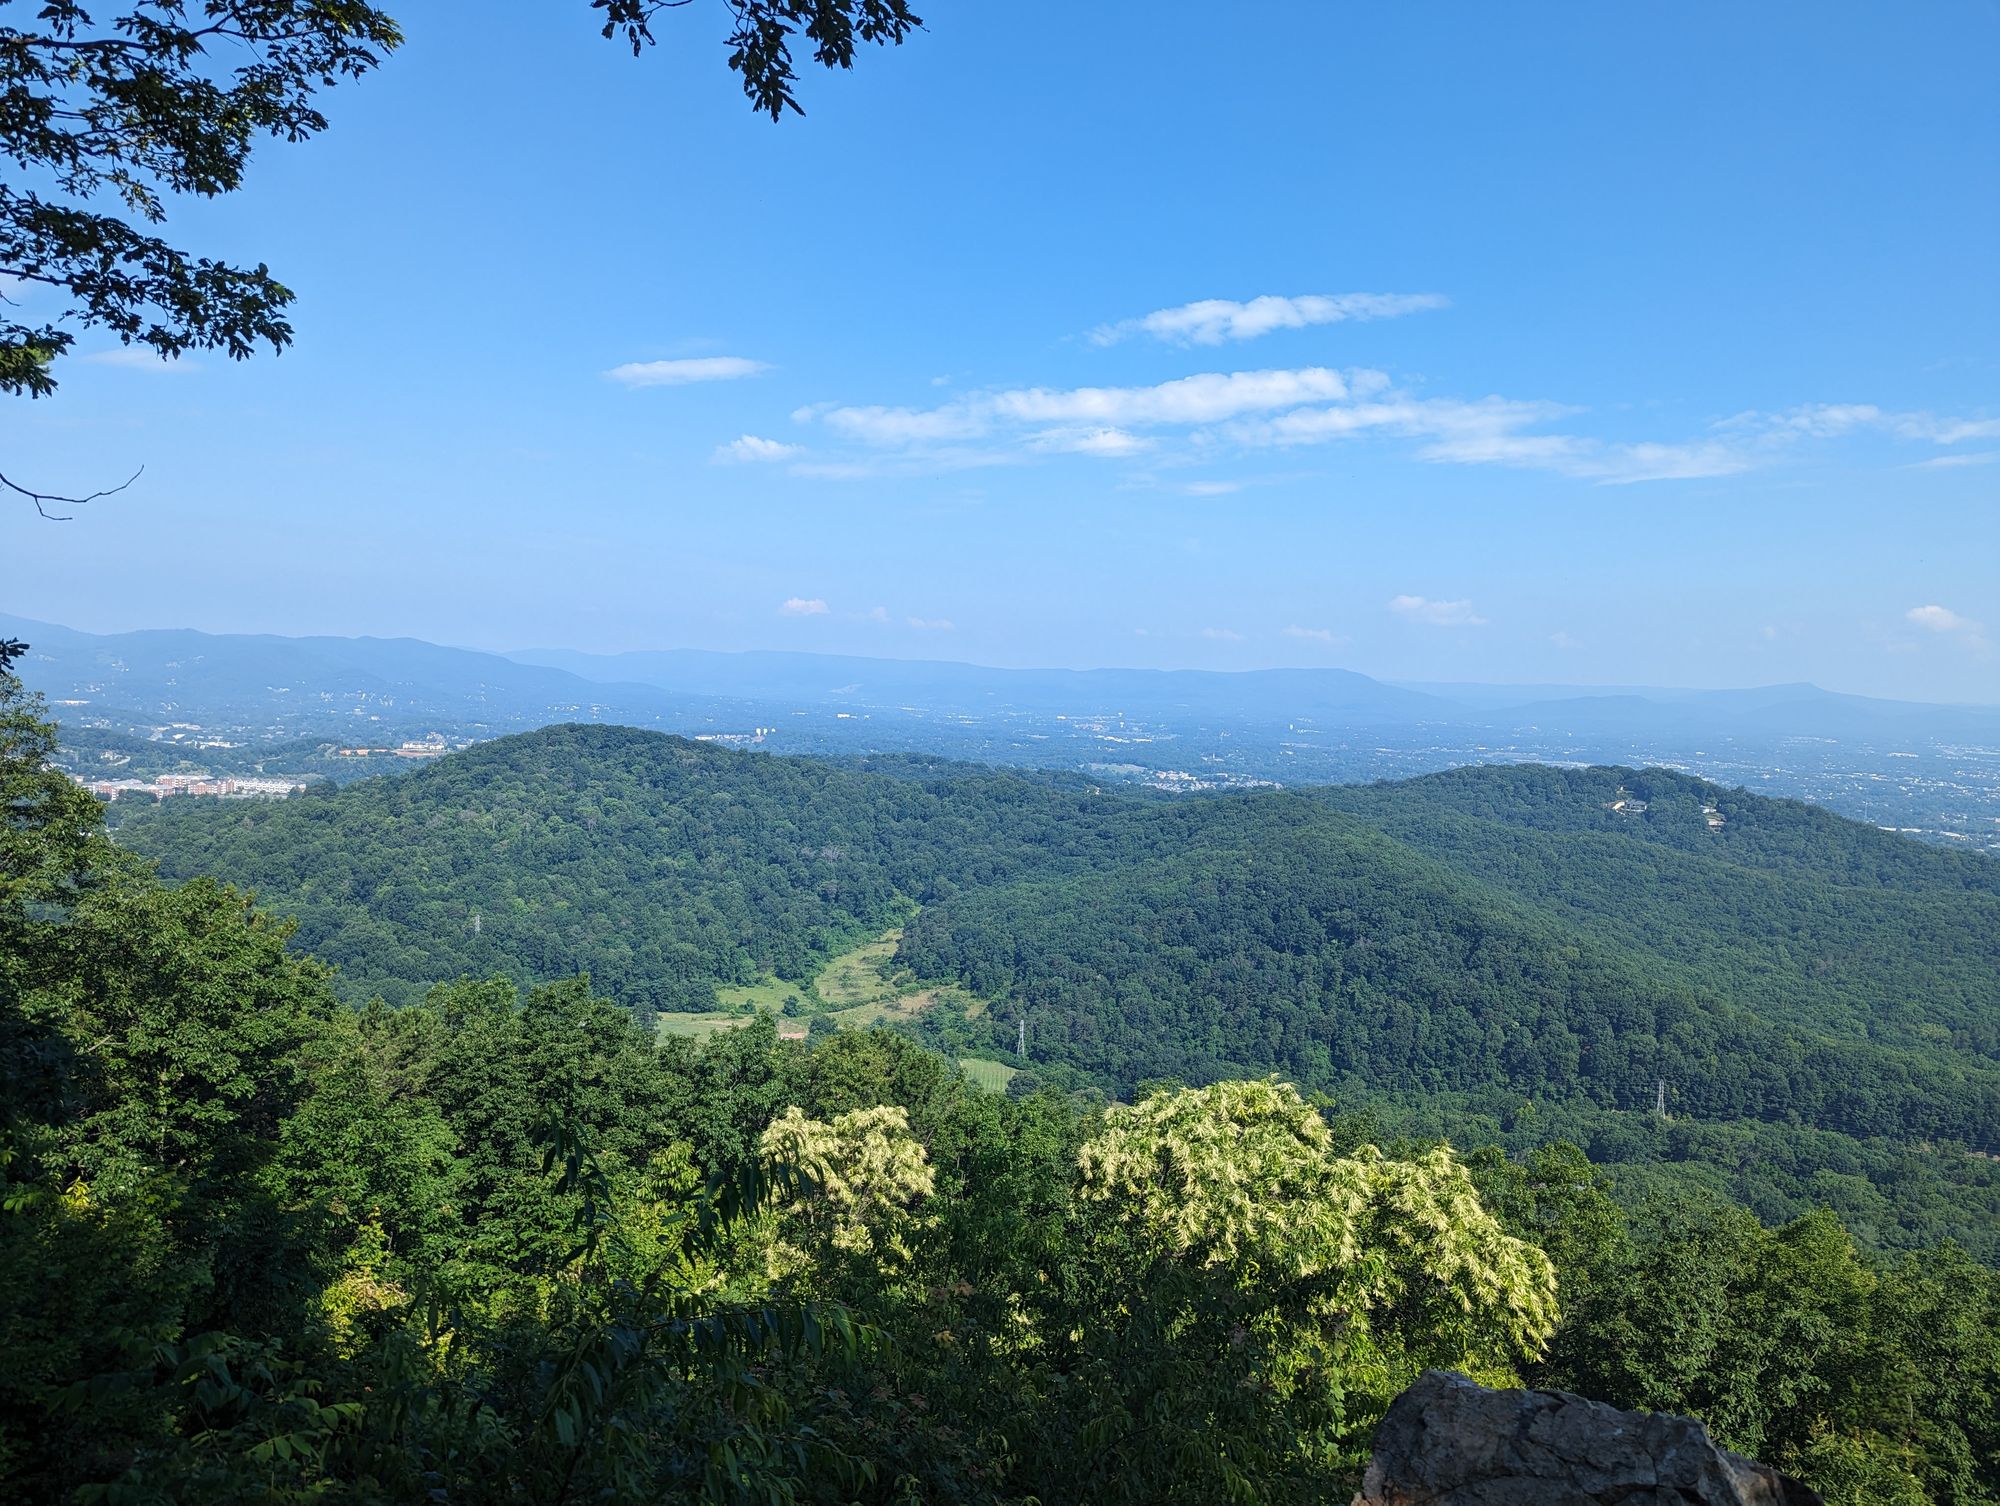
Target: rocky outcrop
1449	1442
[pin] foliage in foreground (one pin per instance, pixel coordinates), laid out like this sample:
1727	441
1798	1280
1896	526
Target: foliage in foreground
258	1246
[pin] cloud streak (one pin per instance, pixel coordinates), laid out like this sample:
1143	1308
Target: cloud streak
753	449
1954	462
1205	398
1834	420
1494	431
1435	613
1214	416
1218	412
683	372
1213	321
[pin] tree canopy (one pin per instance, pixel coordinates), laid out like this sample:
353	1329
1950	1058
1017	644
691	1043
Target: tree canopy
1493	954
504	1244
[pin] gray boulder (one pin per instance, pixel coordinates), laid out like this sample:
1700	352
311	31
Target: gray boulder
1450	1442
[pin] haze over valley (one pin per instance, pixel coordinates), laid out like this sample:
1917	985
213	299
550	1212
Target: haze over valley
139	705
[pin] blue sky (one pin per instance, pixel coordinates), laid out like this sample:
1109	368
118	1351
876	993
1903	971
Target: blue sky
1581	343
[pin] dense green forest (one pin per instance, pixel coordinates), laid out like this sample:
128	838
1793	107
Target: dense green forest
505	1244
656	865
1500	954
1284	934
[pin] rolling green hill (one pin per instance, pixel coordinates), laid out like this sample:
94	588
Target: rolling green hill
1487	939
659	866
1785	966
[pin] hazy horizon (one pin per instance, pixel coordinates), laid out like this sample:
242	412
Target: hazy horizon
527	651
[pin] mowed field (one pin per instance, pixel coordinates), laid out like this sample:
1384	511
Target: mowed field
992	1076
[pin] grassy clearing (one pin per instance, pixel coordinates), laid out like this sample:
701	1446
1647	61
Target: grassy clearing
857	989
766	993
700	1026
864	987
888	1010
992	1076
861	976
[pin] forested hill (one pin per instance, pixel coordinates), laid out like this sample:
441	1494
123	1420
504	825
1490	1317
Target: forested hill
1298	937
657	865
1824	918
1516	928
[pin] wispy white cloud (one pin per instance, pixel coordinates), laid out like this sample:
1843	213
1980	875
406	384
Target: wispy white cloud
1107	442
752	449
803	606
1316	635
1952	462
1205	398
1494	431
1436	613
932	624
1951	430
1249	410
910	460
1937	619
1222	635
1833	420
1809	420
691	369
899	426
1211	321
1213	417
1564	640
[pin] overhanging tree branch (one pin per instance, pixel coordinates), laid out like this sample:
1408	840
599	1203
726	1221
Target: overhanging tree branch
44	500
127	112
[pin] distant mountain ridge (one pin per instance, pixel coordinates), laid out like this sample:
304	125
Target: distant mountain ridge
306	683
1279	695
245	676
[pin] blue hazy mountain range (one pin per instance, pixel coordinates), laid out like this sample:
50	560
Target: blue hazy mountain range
1269	695
942	685
176	700
255	680
263	682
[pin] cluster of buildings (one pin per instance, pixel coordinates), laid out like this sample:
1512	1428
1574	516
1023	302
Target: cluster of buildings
215	786
433	746
738	739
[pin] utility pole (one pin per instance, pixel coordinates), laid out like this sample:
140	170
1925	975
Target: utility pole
1660	1098
1021	1047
